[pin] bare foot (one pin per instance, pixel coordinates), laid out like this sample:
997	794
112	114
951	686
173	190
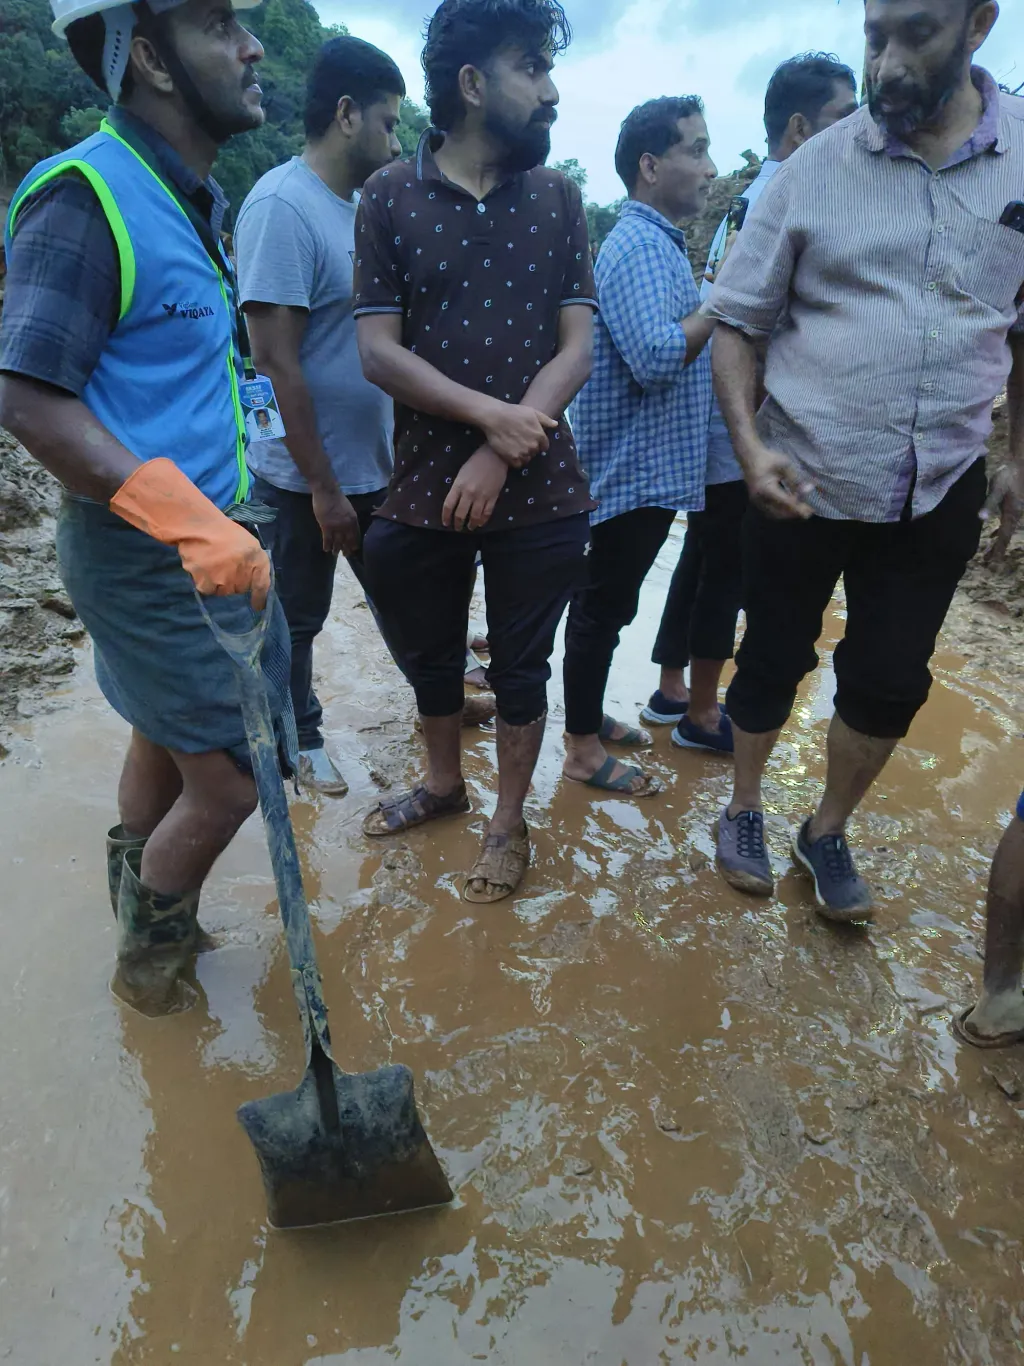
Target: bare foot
585	757
997	1013
477	679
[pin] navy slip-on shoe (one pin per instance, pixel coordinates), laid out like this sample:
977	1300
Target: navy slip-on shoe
663	711
687	735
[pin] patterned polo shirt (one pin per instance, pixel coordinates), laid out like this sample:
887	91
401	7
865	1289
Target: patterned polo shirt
896	286
642	420
479	287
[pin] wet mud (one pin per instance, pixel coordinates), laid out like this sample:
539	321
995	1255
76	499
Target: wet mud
682	1126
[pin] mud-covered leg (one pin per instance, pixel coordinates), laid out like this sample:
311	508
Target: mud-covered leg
1001	1008
150	785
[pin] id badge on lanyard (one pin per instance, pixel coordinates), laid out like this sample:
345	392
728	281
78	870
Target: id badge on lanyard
263	420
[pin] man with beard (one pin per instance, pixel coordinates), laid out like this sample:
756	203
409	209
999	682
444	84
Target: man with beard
474	300
892	244
119	372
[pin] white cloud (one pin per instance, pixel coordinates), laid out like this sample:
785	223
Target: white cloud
722	50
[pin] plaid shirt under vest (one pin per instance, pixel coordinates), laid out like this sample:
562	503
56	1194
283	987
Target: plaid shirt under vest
641	424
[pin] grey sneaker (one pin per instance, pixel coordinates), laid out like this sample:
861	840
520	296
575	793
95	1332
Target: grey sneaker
319	773
742	856
842	893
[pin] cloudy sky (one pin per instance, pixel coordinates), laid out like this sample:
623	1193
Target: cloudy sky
627	51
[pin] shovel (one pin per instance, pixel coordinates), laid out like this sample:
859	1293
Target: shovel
342	1146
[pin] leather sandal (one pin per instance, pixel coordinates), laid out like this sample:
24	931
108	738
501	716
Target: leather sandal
414	808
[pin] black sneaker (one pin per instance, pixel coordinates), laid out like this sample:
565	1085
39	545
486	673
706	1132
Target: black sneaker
842	893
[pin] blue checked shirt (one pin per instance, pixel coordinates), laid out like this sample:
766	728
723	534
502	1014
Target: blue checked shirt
641	423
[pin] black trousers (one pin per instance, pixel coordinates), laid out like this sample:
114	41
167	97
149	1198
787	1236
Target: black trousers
421	581
705	596
305	584
900	578
623	549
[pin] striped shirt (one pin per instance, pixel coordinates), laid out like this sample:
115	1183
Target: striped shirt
641	422
896	287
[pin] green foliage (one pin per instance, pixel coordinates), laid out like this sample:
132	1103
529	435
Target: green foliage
47	104
79	124
572	170
414	123
601	218
39	83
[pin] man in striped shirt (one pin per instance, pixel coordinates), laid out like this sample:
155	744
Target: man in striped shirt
884	265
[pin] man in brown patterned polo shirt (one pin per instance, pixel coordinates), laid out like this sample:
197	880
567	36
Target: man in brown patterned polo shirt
474	297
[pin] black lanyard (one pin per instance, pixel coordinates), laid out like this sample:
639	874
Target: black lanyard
204	232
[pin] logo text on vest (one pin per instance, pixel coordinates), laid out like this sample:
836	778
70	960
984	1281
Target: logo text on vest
188	310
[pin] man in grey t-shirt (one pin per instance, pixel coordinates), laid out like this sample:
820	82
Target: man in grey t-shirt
294	243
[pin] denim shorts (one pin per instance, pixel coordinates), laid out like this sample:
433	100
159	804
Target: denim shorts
157	663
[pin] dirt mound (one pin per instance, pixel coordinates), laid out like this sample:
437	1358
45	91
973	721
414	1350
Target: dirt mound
986	622
701	232
37	622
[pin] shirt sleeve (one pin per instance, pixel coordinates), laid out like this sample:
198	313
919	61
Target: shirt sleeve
635	296
63	288
752	290
377	278
276	254
578	282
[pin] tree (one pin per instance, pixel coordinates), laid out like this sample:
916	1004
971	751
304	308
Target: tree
47	103
572	170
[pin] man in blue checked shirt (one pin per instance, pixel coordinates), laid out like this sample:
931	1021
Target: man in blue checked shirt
641	424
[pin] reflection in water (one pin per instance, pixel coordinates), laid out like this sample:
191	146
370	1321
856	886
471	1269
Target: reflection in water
683	1126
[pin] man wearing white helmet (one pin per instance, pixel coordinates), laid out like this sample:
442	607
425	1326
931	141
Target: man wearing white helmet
120	371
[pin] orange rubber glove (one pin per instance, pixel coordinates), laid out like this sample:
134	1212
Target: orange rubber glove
220	556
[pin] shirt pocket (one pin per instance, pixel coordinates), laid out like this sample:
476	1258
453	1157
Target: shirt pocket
991	268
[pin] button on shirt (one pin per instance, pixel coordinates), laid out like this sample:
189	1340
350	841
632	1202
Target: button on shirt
642	421
895	287
479	287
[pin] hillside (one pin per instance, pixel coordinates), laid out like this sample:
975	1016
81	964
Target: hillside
47	104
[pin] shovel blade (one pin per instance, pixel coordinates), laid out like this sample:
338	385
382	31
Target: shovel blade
378	1160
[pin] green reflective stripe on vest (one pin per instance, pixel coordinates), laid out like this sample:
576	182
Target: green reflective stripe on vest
242	492
242	489
122	240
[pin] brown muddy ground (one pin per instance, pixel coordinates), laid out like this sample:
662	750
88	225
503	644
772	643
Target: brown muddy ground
683	1127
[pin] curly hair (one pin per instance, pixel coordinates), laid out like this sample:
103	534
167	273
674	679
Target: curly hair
470	32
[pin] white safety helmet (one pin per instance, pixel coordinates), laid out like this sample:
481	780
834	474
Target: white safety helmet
119	20
65	12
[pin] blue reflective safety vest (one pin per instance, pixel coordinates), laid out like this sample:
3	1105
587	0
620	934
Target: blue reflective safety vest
167	381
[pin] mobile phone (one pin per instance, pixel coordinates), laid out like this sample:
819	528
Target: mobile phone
1013	216
738	212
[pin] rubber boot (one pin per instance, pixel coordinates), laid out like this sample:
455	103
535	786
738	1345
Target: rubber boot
117	846
156	940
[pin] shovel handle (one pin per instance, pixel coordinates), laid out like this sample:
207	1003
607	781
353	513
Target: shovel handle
244	651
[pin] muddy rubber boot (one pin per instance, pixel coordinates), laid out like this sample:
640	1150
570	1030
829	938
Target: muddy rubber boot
117	846
156	940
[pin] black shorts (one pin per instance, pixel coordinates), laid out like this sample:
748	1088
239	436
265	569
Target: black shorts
421	581
900	578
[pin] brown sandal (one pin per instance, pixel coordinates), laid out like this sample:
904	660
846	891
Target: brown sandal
414	808
503	862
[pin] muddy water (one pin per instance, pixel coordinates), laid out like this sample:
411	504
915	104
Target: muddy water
683	1127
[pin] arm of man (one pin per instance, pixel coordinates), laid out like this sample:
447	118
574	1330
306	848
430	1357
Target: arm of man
276	257
516	433
476	487
475	490
749	297
635	295
1006	496
276	332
